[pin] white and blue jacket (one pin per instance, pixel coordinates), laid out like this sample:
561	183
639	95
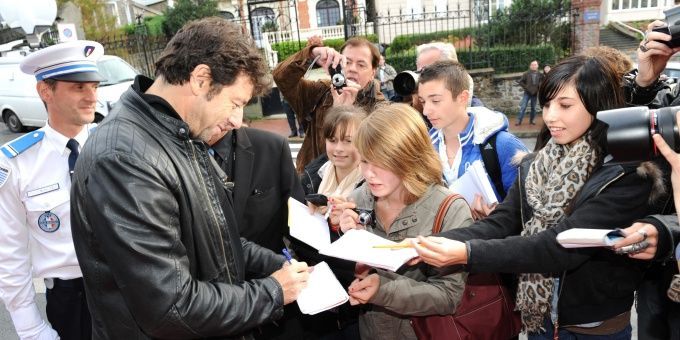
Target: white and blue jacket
483	124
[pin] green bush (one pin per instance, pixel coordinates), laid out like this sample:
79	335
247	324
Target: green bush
502	59
287	48
407	41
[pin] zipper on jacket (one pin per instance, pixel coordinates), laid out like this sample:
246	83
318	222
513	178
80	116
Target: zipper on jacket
609	182
205	191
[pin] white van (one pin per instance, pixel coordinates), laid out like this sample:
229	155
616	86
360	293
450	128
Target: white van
21	106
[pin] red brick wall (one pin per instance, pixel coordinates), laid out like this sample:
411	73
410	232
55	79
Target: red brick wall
586	32
303	14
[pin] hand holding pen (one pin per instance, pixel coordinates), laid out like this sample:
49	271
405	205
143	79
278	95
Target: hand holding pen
292	277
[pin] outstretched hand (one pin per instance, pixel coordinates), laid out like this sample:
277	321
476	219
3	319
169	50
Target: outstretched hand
440	251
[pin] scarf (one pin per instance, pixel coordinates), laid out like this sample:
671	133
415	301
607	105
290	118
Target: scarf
329	186
557	174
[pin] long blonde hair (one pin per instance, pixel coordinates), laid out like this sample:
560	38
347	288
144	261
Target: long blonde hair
395	138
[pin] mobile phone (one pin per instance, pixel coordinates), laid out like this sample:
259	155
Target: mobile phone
317	199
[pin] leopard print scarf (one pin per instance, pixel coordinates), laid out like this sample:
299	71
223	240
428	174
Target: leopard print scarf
674	289
555	177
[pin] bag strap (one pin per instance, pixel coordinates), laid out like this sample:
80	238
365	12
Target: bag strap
443	208
492	164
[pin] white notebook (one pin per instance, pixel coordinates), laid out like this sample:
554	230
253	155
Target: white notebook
323	291
583	237
357	245
308	228
474	181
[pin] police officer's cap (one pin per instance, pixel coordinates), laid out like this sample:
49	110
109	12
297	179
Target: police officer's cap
74	61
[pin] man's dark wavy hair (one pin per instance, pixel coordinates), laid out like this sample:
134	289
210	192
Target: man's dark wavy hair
222	46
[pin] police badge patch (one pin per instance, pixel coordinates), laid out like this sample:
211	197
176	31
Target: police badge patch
49	222
4	175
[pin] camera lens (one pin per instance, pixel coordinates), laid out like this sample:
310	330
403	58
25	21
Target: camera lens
365	218
338	80
630	130
406	83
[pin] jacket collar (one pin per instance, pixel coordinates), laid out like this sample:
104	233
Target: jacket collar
408	217
134	101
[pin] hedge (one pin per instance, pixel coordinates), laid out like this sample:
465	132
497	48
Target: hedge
407	41
287	48
503	59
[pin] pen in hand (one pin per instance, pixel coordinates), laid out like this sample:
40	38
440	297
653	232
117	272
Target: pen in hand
286	253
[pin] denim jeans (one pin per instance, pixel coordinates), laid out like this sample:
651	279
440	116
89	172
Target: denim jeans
564	334
523	107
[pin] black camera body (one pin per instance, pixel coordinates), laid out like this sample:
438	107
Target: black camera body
406	83
672	27
337	77
366	216
319	200
630	131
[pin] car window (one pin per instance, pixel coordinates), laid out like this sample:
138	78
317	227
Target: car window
115	71
672	73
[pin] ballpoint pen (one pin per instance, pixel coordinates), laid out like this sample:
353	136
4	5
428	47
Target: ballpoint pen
286	253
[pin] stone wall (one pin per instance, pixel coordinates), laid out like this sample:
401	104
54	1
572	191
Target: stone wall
499	92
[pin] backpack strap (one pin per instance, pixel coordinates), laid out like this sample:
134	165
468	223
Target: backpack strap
443	209
492	164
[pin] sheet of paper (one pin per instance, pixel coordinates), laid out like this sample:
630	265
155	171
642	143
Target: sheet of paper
583	237
323	291
474	181
357	245
308	228
483	182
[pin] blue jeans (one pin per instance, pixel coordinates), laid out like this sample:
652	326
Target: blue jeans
523	107
564	334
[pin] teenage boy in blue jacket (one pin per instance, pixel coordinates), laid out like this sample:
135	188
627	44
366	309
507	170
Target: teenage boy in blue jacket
462	134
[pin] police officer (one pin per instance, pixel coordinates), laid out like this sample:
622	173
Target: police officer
35	170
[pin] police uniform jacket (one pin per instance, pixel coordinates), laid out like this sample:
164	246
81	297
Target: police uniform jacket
155	233
35	232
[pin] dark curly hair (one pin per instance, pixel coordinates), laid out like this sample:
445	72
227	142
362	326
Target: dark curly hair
222	46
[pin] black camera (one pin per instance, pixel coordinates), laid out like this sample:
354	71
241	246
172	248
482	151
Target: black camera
317	199
406	83
337	77
630	130
365	216
672	27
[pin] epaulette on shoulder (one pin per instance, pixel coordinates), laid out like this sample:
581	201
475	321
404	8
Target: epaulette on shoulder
20	144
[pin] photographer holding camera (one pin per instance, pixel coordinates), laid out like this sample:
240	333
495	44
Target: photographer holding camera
655	237
352	82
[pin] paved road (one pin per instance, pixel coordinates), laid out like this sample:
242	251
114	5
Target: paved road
7	329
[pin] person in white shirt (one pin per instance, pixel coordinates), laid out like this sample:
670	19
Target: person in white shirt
35	182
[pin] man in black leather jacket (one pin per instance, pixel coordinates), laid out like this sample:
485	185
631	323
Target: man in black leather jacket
153	227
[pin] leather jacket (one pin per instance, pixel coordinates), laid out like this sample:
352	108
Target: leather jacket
156	237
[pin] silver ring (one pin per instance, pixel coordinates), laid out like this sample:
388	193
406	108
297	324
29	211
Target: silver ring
643	46
633	248
643	233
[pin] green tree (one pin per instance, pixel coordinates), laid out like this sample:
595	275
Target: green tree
97	21
187	10
529	22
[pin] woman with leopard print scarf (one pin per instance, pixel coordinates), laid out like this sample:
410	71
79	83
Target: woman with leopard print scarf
580	292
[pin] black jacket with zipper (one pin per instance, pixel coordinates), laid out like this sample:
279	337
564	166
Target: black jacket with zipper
155	235
596	284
